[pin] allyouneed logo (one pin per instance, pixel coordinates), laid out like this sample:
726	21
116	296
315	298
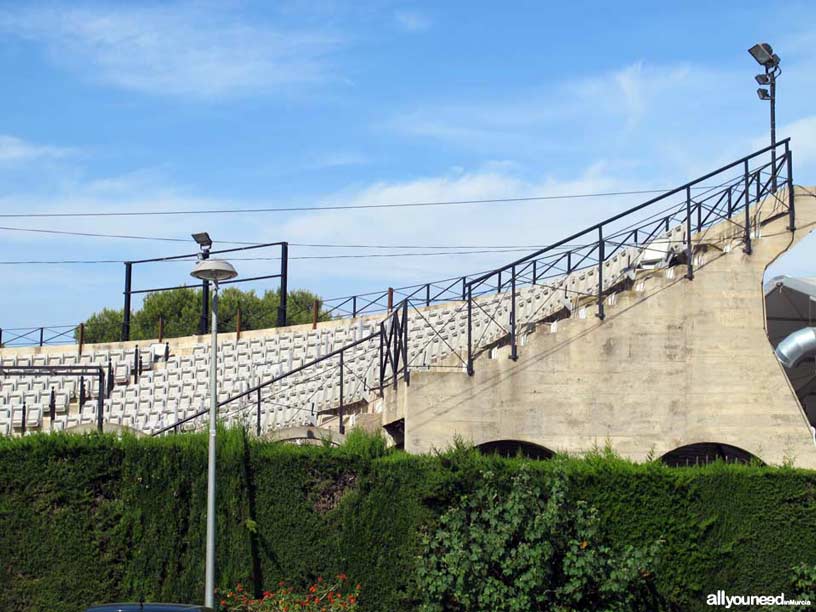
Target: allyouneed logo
726	601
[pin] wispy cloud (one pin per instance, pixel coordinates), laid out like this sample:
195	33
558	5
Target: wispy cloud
13	150
178	50
412	21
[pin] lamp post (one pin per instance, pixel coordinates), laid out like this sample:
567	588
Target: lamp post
212	271
764	55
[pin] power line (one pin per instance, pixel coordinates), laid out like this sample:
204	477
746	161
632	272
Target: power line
297	244
333	206
303	257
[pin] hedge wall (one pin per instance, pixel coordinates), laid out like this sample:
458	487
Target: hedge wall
96	518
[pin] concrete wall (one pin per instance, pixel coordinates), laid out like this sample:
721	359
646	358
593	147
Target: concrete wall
675	362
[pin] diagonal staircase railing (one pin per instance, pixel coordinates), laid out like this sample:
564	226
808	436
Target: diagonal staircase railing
605	254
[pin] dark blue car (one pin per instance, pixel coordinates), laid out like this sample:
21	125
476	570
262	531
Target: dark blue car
148	607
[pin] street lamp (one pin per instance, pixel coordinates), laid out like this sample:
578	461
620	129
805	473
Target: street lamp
213	271
764	55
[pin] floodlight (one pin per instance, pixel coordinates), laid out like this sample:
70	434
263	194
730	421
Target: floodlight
763	54
213	270
203	239
762	79
763	94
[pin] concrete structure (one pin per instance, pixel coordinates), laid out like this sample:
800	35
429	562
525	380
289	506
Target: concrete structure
676	362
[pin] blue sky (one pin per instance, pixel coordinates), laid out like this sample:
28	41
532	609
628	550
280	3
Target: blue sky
206	105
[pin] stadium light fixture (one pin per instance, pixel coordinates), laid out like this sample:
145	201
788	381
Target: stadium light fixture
214	271
764	55
204	241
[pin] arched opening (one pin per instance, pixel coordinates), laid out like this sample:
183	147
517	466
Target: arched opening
515	448
306	434
703	453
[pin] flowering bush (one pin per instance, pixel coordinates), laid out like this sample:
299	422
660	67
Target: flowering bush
322	596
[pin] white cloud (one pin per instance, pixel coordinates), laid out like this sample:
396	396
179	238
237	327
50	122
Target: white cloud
13	149
412	21
174	50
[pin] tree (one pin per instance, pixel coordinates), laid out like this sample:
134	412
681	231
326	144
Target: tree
180	309
103	326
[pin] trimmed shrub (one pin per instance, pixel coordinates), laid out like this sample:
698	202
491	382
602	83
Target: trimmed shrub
88	519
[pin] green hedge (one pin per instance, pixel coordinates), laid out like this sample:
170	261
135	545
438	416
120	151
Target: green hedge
95	518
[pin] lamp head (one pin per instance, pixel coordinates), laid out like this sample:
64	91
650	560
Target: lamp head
763	94
213	270
764	55
204	241
763	79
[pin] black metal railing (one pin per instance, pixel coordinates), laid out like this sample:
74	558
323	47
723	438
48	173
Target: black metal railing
744	182
387	351
37	336
740	185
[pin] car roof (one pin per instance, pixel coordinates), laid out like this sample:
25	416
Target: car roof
147	607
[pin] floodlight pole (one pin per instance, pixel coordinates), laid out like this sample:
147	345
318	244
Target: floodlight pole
209	594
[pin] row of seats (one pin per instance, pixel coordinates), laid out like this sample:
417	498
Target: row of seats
164	390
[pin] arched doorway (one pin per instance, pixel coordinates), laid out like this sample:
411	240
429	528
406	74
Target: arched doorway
702	453
515	448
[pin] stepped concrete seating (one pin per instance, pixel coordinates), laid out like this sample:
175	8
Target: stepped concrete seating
178	387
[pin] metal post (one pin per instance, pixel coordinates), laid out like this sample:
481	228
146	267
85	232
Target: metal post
689	246
126	310
396	335
205	299
382	356
258	420
354	307
569	262
601	256
238	324
535	273
41	335
747	247
315	310
136	360
791	210
390	299
205	306
81	393
772	74
81	337
1	339
52	407
342	427
209	586
499	283
428	294
730	203
464	288
110	377
25	410
100	401
699	207
470	330
284	285
513	345
406	373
